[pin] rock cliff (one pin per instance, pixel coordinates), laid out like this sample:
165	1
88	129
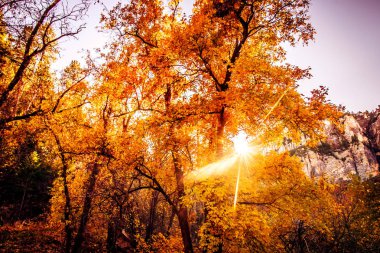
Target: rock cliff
355	149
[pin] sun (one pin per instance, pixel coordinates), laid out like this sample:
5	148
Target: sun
241	144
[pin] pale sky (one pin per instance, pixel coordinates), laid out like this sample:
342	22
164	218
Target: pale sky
345	56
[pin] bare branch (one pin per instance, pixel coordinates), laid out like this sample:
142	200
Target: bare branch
40	19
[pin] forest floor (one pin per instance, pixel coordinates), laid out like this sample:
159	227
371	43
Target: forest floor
23	237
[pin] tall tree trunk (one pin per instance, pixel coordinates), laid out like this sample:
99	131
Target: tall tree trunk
219	155
86	209
152	216
111	236
182	210
220	133
185	229
171	219
67	209
23	199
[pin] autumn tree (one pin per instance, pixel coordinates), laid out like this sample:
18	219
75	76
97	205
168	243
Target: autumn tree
170	93
201	79
30	33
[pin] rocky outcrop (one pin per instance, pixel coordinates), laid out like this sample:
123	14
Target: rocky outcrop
370	123
353	150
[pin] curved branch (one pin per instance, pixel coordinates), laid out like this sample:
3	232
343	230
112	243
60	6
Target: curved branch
158	186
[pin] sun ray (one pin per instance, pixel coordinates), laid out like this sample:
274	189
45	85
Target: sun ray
239	160
237	183
213	169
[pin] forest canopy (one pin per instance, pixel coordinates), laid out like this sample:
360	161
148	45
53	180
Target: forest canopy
135	152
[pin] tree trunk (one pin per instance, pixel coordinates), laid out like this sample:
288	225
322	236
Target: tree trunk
67	209
185	229
111	237
86	209
171	219
219	155
152	216
220	133
182	210
23	199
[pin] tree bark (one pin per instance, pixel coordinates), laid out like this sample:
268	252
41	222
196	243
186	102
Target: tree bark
171	219
185	229
182	210
67	209
111	237
86	209
152	216
220	133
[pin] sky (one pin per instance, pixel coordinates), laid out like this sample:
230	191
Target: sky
345	56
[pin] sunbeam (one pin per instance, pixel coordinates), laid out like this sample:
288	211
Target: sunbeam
213	169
